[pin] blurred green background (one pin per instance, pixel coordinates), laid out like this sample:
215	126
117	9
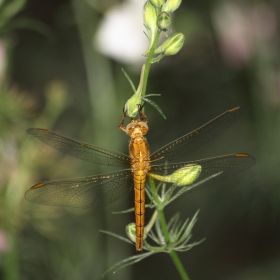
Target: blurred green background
60	69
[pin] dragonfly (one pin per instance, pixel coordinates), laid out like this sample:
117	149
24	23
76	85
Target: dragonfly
99	190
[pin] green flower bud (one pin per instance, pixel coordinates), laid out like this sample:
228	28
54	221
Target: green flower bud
130	230
181	177
157	3
150	19
172	45
171	5
131	106
163	20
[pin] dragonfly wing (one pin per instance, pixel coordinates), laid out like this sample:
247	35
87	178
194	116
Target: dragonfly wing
87	192
212	169
197	138
79	149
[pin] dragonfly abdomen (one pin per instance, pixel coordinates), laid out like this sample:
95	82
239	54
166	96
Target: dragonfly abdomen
139	199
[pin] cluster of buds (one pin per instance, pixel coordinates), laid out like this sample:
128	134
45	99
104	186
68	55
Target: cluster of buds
157	17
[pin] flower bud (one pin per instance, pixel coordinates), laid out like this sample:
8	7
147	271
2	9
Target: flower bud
130	230
163	20
157	3
131	106
150	19
182	177
150	22
172	45
171	5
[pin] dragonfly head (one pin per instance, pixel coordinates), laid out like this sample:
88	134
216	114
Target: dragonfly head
136	128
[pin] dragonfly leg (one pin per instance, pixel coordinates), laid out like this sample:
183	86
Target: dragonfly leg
141	114
121	125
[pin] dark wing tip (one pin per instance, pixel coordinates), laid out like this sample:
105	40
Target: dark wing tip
32	130
241	155
29	194
250	158
39	185
242	107
234	109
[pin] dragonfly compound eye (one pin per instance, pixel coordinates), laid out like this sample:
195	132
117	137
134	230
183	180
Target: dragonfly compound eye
144	127
130	128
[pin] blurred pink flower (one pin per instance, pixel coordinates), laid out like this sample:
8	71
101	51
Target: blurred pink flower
3	242
241	29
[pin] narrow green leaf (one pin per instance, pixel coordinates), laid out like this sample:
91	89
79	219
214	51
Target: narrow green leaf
154	105
124	211
187	188
153	94
129	80
131	209
116	235
126	262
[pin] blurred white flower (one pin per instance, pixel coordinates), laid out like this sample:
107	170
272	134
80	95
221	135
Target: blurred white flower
120	34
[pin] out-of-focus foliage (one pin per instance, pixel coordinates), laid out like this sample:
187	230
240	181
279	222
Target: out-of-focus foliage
8	9
230	57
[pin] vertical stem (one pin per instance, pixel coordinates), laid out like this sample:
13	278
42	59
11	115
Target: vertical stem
179	265
164	228
148	63
172	253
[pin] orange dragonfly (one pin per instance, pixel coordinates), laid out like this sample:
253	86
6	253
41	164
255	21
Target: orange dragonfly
100	190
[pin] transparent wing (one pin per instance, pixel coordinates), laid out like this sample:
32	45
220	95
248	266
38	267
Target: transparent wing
197	138
212	169
79	149
84	192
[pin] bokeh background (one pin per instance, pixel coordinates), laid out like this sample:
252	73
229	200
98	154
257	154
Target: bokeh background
60	69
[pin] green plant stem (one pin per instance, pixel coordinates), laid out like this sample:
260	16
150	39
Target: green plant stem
163	224
179	265
172	253
152	221
149	62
